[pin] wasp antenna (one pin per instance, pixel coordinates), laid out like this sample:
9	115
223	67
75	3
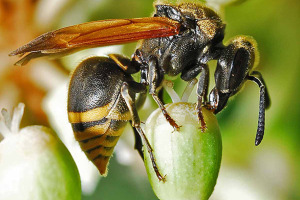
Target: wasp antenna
262	108
267	95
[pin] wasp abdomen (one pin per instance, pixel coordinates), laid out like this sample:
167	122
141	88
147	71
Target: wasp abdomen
97	111
98	141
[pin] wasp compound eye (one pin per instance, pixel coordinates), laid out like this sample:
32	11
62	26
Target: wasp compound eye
234	65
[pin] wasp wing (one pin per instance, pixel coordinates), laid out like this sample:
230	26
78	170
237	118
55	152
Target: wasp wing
94	34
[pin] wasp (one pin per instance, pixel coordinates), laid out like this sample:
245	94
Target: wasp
178	40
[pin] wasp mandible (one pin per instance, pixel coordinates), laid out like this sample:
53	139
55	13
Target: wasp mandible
178	39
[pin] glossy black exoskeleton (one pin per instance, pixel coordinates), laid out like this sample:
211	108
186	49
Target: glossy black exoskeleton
101	101
178	40
199	41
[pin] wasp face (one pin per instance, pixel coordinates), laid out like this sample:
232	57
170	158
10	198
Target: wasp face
233	67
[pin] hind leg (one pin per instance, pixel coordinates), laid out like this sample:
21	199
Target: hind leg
136	124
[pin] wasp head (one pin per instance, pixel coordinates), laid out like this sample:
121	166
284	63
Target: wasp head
233	67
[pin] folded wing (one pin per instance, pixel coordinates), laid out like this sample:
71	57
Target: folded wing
95	34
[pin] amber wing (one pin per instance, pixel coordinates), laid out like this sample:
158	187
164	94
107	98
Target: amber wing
94	34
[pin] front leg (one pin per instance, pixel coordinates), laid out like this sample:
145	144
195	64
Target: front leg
153	79
189	75
202	93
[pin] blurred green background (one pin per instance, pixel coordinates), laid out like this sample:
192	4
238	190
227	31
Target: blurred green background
269	171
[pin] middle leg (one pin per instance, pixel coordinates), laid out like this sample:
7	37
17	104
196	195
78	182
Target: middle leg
153	80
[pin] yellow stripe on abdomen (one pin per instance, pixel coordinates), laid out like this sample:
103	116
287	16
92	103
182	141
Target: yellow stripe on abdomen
91	132
95	114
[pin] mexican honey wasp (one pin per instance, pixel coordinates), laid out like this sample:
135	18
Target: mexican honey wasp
178	40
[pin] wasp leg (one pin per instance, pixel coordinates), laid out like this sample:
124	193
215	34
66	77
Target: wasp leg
189	75
262	108
161	95
153	79
125	63
136	124
202	93
138	140
213	100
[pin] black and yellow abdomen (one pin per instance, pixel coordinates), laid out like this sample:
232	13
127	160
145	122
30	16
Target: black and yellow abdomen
97	111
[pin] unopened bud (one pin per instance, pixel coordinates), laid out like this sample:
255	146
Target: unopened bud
190	159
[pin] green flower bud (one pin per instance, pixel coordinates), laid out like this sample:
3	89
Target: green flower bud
190	159
35	164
